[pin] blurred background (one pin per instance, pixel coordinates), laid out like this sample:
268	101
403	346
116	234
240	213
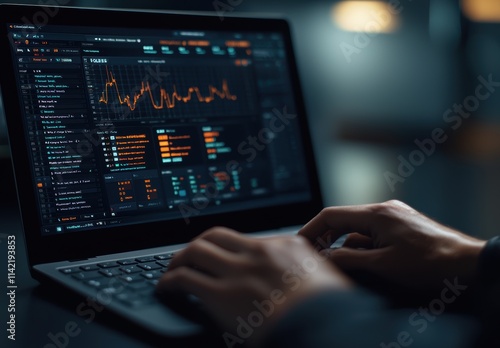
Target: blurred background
379	77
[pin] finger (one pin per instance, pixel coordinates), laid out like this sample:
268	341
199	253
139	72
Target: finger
189	280
356	241
206	256
356	259
338	221
226	238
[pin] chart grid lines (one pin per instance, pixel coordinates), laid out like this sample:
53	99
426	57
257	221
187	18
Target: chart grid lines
132	92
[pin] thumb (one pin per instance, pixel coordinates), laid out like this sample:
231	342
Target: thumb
356	259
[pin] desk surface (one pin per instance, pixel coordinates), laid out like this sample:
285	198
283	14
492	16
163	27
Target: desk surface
42	310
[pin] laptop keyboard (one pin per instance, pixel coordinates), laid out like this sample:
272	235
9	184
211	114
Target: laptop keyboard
130	281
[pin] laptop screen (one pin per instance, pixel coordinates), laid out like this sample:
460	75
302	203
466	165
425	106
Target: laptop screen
130	125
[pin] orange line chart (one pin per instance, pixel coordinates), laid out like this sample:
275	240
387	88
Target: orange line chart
125	92
166	99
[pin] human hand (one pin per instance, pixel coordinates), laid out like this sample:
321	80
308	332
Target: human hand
246	283
396	242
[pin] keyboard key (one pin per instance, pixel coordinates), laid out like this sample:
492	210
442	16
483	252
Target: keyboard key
131	278
69	270
87	275
95	283
163	263
131	269
110	264
87	268
145	259
150	266
110	291
127	262
127	296
110	272
152	274
163	257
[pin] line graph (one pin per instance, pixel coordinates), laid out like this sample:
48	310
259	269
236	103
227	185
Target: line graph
167	100
125	92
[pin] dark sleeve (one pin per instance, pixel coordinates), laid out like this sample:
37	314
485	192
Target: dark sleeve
489	292
489	263
361	319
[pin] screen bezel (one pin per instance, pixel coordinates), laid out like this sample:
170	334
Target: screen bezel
85	244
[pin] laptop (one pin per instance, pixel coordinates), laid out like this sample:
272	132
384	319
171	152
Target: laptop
132	132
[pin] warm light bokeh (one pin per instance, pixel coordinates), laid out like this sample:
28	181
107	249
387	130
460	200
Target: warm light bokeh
482	10
366	16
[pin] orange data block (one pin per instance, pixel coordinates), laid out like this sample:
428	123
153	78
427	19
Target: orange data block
165	155
198	43
162	137
209	140
170	42
164	149
164	143
39	185
238	43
